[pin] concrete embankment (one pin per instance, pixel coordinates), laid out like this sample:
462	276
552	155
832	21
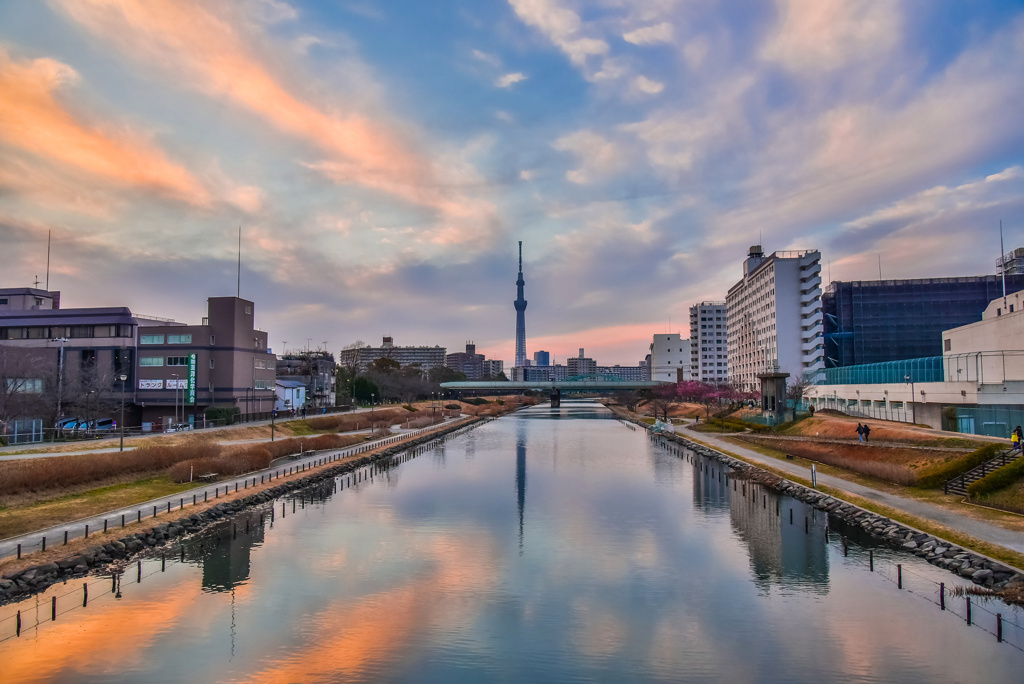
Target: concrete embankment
115	553
968	564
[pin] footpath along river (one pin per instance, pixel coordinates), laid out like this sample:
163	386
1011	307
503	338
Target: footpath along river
551	545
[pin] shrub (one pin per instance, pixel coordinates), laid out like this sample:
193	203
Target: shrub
407	407
938	474
222	413
453	407
998	479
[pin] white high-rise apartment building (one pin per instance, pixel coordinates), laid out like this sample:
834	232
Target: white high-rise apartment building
709	352
775	320
669	354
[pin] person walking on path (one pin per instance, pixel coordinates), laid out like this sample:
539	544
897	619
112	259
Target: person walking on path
1015	437
860	432
867	431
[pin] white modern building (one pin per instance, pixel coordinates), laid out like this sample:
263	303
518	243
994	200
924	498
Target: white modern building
975	387
670	358
775	320
709	351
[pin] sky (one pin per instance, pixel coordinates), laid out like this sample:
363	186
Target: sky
383	158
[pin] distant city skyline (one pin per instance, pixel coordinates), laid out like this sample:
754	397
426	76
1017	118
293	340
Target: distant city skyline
384	159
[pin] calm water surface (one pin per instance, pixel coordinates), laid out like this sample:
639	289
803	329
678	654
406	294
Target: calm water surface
551	545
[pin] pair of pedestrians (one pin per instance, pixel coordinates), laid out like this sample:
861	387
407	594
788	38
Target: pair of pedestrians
863	431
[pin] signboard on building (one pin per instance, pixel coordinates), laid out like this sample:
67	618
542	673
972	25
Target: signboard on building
150	384
177	384
191	390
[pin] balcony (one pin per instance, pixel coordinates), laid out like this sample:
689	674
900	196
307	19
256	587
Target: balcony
809	309
810	296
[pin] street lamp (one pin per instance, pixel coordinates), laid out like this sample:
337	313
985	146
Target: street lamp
123	377
60	373
913	404
372	397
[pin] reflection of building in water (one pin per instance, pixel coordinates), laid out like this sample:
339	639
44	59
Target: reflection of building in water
780	551
521	477
227	564
708	492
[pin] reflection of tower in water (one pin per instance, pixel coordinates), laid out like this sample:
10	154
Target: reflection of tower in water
779	550
521	477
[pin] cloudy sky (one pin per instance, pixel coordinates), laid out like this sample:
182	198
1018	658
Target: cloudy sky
383	158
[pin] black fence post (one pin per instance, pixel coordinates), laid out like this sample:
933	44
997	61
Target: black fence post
871	560
942	595
999	627
899	576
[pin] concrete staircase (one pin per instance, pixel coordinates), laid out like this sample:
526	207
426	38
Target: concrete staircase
960	483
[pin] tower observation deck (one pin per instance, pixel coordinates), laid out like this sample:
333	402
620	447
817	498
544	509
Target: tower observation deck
520	305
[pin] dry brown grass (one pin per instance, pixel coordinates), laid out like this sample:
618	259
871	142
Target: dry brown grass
891	464
842	427
40	474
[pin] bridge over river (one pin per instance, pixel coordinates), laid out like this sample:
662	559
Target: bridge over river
574	385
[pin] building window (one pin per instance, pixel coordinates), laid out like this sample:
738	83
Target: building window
947	345
248	308
177	360
261	384
25	385
211	363
213	340
38	333
151	360
81	331
179	339
151	339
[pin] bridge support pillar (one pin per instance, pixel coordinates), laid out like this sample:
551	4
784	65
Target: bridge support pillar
556	398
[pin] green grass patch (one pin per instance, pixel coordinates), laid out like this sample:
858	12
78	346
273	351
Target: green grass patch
936	475
302	428
1000	478
50	512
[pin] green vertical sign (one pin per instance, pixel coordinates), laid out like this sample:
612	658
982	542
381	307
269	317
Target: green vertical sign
191	391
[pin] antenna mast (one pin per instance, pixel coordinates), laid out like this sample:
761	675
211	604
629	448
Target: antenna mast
48	259
1002	261
238	292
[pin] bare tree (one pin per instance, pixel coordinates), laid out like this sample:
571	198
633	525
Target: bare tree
24	380
663	398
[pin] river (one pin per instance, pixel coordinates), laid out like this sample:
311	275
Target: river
551	545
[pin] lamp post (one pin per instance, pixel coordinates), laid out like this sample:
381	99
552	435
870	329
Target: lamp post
60	373
913	404
372	397
124	378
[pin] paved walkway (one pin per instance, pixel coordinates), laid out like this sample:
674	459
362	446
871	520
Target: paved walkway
159	507
922	509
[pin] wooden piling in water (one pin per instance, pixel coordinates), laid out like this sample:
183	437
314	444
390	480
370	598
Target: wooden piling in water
899	576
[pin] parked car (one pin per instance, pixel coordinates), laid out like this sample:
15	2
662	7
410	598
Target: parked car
68	423
103	425
179	427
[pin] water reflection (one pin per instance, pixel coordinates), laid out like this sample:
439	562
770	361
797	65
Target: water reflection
632	573
521	477
226	565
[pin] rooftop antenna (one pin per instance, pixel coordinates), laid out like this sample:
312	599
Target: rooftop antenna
879	266
48	259
37	282
1002	261
238	292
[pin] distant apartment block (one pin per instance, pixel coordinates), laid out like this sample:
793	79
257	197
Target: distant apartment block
581	365
541	358
670	358
423	357
627	373
709	350
493	368
775	317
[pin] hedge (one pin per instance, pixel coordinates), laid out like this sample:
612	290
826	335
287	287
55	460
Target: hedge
998	479
936	475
